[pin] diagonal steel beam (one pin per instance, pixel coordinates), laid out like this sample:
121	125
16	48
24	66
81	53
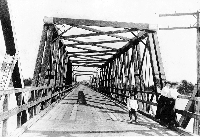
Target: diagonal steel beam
95	30
94	43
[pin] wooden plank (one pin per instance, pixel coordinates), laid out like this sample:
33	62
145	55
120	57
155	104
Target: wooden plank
95	34
5	108
95	30
74	111
86	22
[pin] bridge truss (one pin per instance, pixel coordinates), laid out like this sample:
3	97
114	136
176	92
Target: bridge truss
121	51
125	56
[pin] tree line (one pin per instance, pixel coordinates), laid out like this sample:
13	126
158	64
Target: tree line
184	87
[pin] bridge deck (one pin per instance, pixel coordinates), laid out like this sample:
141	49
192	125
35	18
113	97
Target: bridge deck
100	117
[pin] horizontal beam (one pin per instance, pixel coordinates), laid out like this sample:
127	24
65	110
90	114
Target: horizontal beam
95	30
96	34
100	23
173	28
86	61
83	74
177	14
85	71
77	56
84	58
103	51
74	46
85	65
97	54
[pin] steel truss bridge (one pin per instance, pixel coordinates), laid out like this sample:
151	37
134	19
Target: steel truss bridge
124	55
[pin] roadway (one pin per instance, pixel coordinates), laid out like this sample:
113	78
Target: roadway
100	117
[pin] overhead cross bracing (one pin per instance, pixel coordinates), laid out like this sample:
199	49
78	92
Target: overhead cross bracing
91	43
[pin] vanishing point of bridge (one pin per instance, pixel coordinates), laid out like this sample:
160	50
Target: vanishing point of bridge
124	55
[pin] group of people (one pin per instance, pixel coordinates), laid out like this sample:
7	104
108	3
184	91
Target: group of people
167	104
165	109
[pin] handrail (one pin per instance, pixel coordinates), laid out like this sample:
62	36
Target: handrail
9	113
182	112
23	90
45	94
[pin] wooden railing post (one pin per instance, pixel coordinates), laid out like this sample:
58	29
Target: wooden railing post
19	100
5	108
196	122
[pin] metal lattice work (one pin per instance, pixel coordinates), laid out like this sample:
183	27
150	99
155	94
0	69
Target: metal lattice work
118	49
87	43
125	58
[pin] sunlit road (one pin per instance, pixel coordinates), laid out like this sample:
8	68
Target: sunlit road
100	117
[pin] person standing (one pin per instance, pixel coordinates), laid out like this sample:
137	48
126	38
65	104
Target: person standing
132	107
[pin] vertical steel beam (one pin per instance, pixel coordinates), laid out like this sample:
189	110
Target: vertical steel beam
38	64
46	59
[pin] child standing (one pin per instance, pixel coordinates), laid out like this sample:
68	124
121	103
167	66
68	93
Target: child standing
132	107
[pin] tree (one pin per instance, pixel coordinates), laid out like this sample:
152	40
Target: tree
27	82
185	87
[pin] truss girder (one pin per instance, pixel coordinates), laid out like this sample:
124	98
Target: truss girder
53	66
137	65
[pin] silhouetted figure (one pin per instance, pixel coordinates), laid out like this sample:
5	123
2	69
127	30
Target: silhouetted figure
81	98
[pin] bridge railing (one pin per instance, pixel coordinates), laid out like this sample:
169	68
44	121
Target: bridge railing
147	101
32	102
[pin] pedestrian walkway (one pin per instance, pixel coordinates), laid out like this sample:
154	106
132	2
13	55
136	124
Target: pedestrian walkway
100	117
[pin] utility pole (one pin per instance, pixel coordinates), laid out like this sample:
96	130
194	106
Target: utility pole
195	104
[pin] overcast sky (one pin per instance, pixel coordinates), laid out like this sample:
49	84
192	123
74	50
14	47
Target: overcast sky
178	47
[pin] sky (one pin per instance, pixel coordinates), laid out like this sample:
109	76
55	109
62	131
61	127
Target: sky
178	47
